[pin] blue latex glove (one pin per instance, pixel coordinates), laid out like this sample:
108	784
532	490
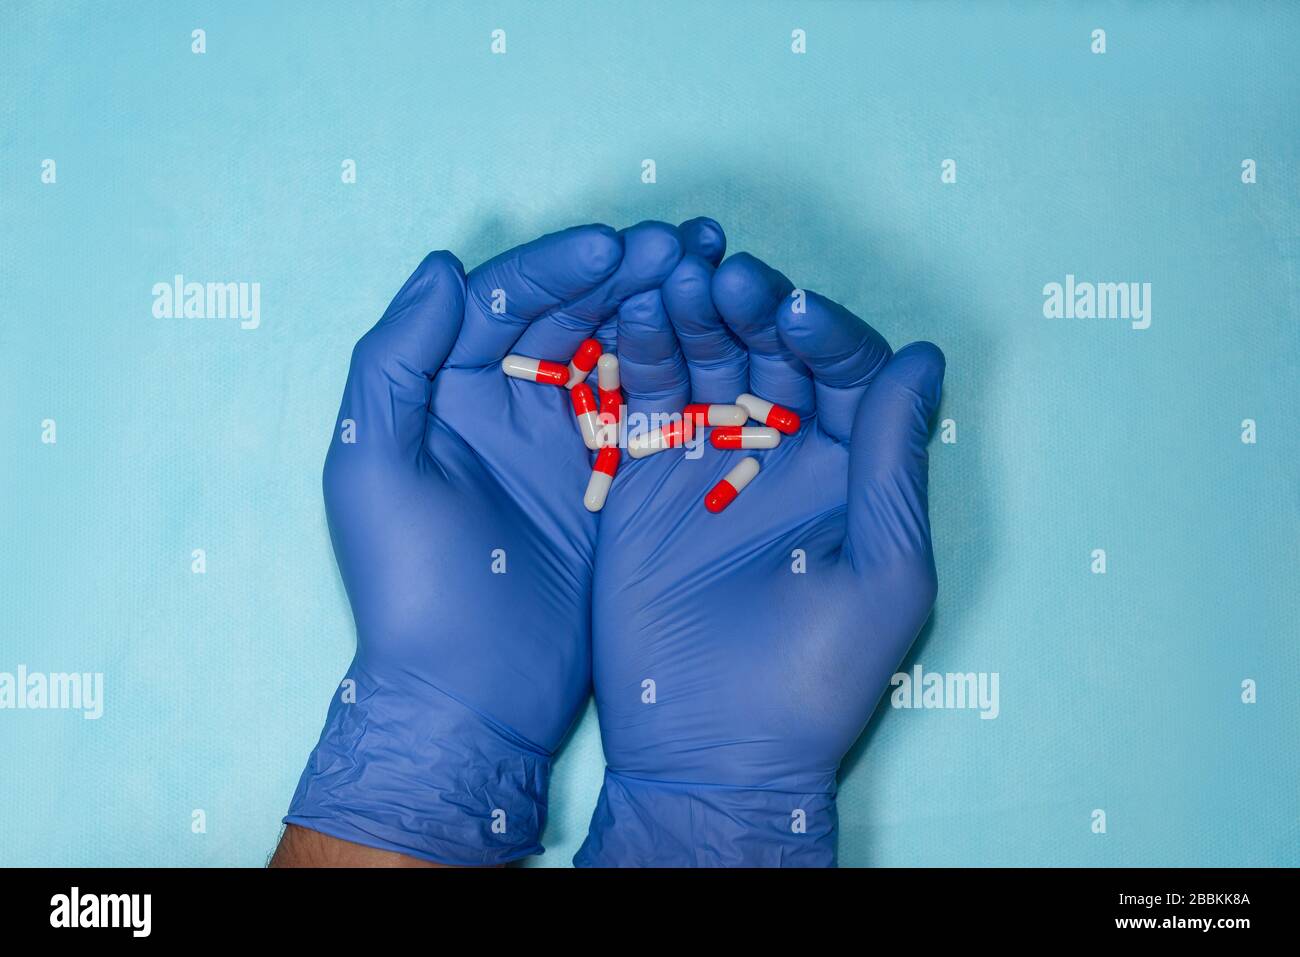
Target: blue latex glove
729	687
465	679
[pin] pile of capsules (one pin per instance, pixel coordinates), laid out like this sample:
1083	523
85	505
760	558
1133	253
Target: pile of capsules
599	423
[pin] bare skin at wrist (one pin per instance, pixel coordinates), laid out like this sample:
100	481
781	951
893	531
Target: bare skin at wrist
302	847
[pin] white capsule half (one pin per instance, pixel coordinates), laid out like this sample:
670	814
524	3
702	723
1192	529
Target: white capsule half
607	373
718	414
742	474
608	432
597	491
590	427
646	443
756	408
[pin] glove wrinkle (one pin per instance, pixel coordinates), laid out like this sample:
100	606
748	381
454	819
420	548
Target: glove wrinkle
459	789
641	823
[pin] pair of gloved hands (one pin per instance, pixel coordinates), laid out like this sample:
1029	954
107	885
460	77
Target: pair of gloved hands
736	657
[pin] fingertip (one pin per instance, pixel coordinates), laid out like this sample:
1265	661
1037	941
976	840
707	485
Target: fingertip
704	237
440	267
926	364
598	249
744	283
439	273
443	260
925	351
651	249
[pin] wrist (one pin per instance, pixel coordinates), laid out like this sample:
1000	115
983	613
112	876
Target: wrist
643	823
403	766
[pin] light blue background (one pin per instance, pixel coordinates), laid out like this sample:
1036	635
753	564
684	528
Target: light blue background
1119	692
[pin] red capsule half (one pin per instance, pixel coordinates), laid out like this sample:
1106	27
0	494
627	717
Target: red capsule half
777	416
607	461
611	402
583	361
720	496
535	370
725	492
584	407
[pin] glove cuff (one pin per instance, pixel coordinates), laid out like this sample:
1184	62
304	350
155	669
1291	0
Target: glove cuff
640	823
408	768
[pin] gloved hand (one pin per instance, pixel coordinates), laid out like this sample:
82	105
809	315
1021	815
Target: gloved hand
454	497
737	656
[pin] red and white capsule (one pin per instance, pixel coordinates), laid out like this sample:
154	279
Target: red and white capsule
583	361
717	414
745	437
535	370
673	434
602	477
725	492
584	407
609	386
777	416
